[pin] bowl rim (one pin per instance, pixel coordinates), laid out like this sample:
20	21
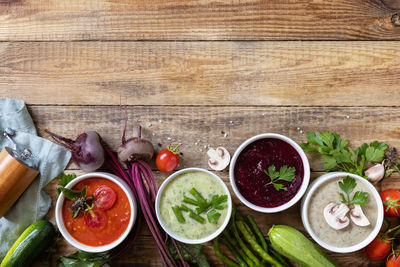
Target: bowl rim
94	249
299	193
306	202
186	240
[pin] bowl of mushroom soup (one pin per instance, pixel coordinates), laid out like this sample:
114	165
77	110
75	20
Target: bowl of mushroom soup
342	212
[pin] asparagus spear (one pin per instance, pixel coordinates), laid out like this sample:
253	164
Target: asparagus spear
224	258
257	248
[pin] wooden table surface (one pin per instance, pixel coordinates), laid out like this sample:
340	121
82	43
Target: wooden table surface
206	72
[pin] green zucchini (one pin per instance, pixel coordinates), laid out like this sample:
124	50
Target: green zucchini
292	244
31	243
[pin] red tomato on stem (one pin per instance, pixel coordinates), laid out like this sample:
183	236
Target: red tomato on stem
391	202
168	158
394	259
379	248
104	197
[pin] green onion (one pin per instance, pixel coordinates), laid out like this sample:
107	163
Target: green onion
178	214
196	217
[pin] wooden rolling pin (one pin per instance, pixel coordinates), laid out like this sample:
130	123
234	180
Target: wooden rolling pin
15	177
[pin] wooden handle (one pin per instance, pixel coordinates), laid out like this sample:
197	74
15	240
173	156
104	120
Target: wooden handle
15	177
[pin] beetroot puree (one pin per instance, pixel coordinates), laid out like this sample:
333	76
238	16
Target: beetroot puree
251	179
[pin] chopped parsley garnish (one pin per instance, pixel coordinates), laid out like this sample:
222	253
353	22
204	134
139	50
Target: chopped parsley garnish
285	174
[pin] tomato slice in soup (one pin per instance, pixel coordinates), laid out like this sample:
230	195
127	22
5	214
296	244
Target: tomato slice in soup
105	197
96	219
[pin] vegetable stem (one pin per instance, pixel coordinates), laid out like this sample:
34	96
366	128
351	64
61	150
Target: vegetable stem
178	214
257	248
234	252
196	217
258	233
224	258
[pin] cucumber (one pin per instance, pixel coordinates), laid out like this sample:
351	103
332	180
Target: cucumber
31	243
292	244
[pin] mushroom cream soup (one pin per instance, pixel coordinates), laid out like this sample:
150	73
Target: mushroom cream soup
352	234
173	194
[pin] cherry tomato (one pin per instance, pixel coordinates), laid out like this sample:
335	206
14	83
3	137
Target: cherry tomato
394	259
379	248
104	197
391	202
95	219
168	159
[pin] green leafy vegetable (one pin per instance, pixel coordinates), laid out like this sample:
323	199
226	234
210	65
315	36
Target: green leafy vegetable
285	174
347	185
83	259
191	253
338	156
73	194
65	179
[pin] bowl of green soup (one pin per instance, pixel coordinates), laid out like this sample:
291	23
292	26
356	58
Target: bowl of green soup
193	205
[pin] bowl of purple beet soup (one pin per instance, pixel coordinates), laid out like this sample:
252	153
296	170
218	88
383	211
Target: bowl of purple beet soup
269	172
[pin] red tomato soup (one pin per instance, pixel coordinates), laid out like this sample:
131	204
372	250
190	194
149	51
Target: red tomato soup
109	217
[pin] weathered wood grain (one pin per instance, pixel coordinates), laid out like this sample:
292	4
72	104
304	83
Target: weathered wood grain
199	20
144	251
202	73
196	127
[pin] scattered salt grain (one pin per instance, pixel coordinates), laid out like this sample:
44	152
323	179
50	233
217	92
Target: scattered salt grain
196	143
159	121
201	150
230	122
148	124
225	135
301	131
298	128
347	117
169	138
154	134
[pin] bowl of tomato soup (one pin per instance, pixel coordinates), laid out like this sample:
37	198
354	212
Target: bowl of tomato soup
103	219
269	172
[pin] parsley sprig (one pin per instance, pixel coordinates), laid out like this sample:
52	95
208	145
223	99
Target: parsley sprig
217	202
337	155
347	185
285	174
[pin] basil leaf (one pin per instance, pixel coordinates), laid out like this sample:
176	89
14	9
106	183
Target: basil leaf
70	194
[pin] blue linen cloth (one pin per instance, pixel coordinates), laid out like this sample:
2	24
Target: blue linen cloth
34	204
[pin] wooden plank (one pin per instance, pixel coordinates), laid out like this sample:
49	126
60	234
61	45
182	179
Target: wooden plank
144	252
197	127
202	73
199	20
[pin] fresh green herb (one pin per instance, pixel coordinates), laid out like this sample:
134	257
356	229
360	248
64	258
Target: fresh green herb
338	156
285	174
178	214
83	259
347	185
65	179
213	216
81	201
217	202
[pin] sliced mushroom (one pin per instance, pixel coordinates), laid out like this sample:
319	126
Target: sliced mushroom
219	158
375	173
335	215
358	217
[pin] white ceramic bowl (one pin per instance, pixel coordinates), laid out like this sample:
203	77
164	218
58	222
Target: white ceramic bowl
132	202
300	192
306	202
204	239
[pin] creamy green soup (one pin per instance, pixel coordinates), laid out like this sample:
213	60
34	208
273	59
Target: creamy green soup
173	194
